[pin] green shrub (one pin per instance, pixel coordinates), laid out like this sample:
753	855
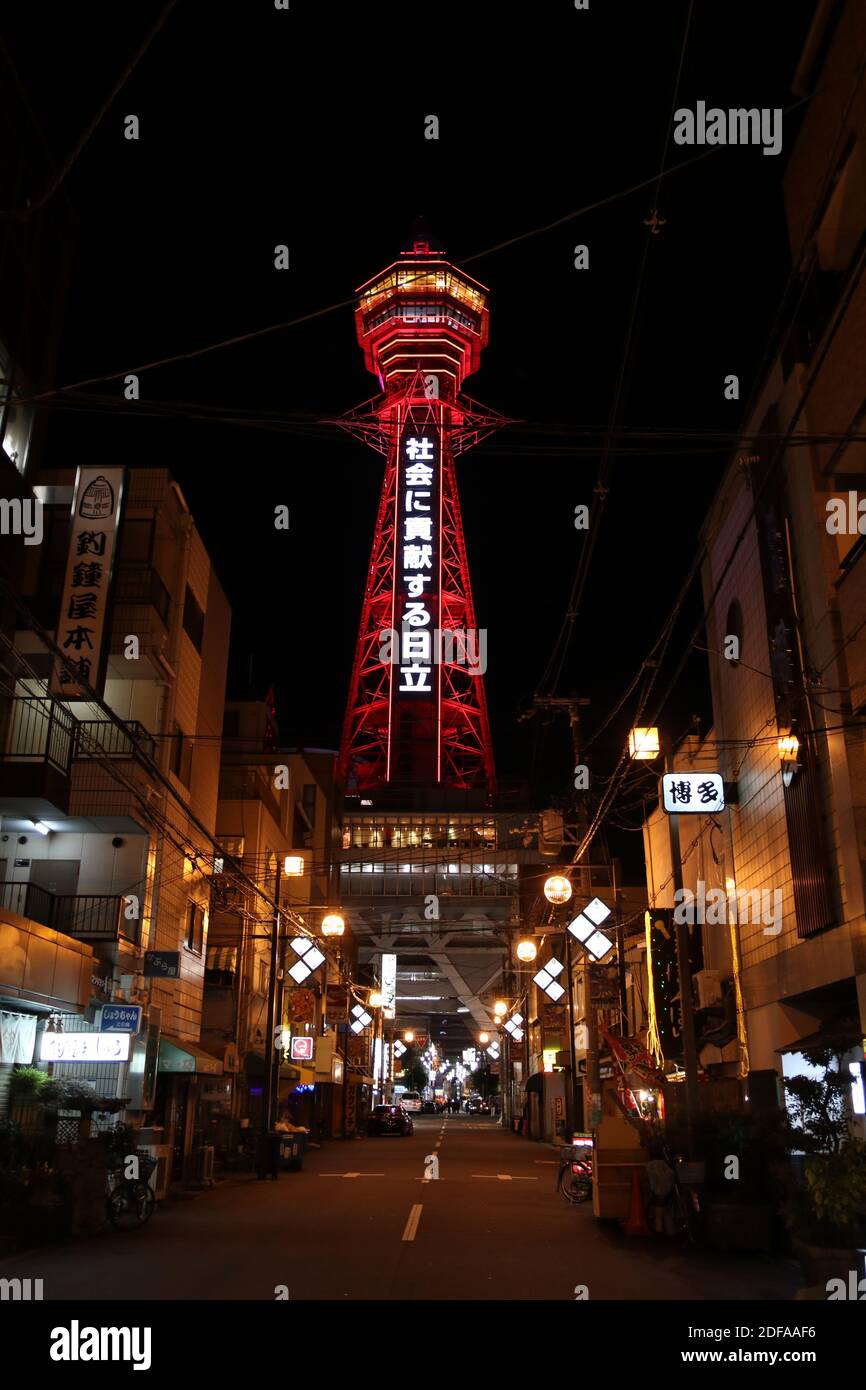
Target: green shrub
26	1084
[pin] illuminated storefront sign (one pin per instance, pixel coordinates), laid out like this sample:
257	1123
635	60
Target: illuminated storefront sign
417	562
301	1049
700	793
389	985
84	1047
81	622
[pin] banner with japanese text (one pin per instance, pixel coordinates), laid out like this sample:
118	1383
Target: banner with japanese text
82	620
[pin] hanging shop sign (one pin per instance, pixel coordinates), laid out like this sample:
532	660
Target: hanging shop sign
84	1047
82	622
698	793
164	965
665	975
301	1049
389	985
120	1018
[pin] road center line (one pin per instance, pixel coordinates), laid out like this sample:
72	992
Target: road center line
412	1224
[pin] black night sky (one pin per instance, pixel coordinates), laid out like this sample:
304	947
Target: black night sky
261	127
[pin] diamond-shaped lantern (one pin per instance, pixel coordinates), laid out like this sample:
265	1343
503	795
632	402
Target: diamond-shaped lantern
310	959
546	979
585	927
362	1019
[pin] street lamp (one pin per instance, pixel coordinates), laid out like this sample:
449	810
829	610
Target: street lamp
643	745
333	924
557	889
376	1000
500	1007
526	949
293	866
408	1036
484	1038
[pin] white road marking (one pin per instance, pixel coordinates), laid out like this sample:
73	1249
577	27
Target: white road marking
412	1224
506	1177
351	1175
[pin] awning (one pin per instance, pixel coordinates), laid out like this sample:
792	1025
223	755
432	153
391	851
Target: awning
297	1076
178	1056
840	1033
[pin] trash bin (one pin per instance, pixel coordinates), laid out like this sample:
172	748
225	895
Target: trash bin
292	1149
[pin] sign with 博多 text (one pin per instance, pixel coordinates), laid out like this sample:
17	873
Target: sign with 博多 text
82	619
700	793
84	1047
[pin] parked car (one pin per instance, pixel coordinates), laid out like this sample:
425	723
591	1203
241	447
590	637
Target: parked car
411	1101
389	1119
429	1107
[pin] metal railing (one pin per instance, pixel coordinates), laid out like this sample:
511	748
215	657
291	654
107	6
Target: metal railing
75	914
40	730
142	584
111	740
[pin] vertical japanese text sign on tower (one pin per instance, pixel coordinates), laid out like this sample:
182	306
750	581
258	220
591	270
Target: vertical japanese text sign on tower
84	608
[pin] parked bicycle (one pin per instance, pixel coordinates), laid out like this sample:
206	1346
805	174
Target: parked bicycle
574	1179
130	1202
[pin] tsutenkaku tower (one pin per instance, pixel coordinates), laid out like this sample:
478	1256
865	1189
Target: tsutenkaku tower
417	714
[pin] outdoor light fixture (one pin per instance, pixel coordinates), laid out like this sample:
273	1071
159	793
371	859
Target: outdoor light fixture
526	949
293	866
557	889
789	747
311	959
500	1007
362	1019
333	924
643	744
376	1000
512	1026
585	928
484	1038
546	979
41	827
408	1036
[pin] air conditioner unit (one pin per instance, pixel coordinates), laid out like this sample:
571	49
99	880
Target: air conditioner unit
204	1163
709	986
161	1175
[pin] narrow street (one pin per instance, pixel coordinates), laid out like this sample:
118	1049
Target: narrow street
359	1222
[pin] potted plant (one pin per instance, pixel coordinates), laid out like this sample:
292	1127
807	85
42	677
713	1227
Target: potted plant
745	1163
827	1213
25	1090
826	1210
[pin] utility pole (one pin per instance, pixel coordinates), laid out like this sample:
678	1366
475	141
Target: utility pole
684	969
571	706
271	1062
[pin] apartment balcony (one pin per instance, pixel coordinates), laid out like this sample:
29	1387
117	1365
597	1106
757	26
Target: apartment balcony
37	757
83	916
249	784
142	605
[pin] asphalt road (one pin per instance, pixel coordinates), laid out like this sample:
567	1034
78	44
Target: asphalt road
361	1222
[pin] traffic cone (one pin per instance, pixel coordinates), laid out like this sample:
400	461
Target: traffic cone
635	1223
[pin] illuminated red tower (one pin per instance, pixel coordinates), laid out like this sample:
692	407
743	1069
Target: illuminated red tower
417	714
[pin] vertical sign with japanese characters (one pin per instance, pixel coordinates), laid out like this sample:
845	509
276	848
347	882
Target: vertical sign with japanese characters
417	588
81	622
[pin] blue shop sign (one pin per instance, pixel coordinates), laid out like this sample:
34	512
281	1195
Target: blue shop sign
120	1018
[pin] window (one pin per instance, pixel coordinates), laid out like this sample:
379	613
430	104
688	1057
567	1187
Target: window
194	938
193	619
180	755
734	628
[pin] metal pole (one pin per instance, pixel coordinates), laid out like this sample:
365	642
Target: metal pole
268	1099
620	953
690	1053
572	1106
